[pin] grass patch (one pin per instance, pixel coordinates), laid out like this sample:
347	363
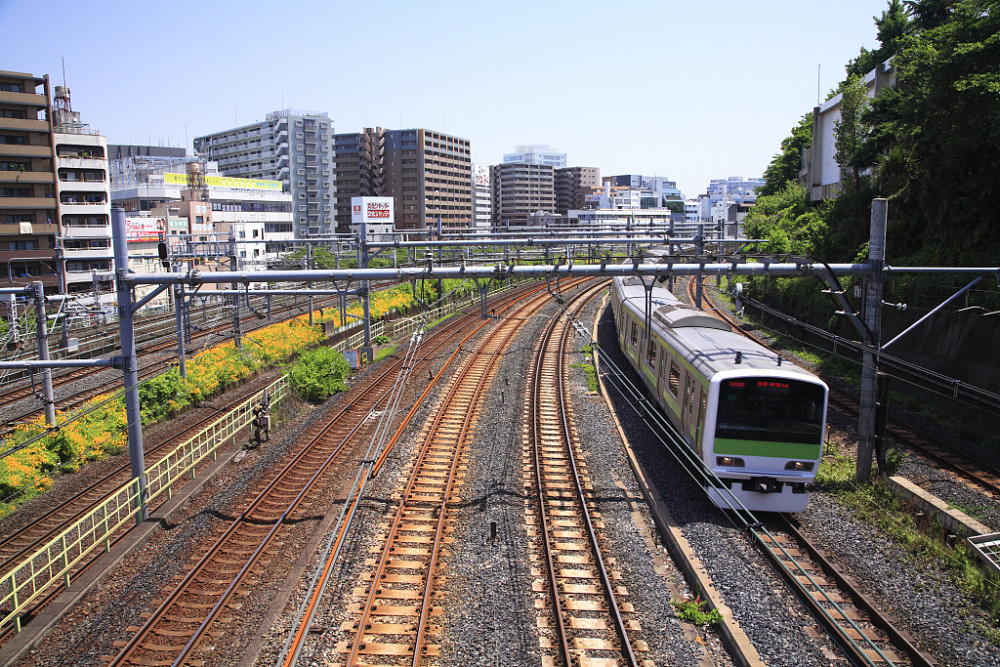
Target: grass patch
385	352
693	611
589	369
920	537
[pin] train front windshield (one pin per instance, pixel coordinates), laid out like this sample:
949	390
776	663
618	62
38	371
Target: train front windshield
773	409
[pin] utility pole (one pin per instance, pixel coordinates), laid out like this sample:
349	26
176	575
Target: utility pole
48	396
873	321
363	253
128	362
237	337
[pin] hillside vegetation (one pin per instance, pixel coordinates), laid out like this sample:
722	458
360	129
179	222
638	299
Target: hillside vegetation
930	145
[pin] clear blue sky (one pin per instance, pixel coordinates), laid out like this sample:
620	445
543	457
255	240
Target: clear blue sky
688	90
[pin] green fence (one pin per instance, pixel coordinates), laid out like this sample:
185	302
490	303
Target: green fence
55	561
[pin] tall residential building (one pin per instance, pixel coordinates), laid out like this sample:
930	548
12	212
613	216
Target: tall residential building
573	184
82	186
293	147
536	154
482	199
519	191
428	174
28	221
359	170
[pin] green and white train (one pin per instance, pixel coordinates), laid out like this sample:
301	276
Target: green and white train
754	419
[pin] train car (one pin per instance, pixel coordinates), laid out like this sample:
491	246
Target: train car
755	420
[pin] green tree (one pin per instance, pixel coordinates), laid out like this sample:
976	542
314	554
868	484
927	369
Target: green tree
892	26
319	374
851	132
785	166
935	148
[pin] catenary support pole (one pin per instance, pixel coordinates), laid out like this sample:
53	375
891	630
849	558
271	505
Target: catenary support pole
126	328
237	336
179	311
873	321
365	293
48	396
700	279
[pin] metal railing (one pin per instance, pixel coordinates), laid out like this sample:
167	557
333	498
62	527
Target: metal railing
55	561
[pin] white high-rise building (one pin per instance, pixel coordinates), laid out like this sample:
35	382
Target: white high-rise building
482	205
536	154
83	191
292	147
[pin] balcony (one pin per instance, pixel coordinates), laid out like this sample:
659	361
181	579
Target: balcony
27	202
29	99
29	124
26	177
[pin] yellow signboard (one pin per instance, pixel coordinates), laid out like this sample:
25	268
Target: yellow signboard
226	182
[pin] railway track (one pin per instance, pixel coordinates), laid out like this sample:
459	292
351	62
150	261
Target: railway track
394	610
865	634
203	601
585	612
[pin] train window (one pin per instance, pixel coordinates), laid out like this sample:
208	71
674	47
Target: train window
784	410
635	333
674	384
651	354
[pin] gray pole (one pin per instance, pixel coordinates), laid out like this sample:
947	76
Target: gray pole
670	251
129	366
873	320
363	253
237	338
309	265
178	309
699	280
48	396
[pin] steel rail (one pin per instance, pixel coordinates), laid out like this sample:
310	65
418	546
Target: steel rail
507	330
296	640
371	395
560	353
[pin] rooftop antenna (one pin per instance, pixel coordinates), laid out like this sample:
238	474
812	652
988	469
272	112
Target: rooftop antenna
64	70
819	66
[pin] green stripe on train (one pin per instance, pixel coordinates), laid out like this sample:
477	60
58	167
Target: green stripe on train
784	450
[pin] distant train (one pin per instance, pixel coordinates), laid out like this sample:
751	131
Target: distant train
756	421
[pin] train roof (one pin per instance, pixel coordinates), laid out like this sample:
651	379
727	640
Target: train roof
706	342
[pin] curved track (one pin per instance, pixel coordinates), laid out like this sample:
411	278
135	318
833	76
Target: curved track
585	614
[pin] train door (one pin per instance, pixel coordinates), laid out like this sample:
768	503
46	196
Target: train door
700	429
687	406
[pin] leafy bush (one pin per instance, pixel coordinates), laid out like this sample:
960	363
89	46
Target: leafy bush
319	374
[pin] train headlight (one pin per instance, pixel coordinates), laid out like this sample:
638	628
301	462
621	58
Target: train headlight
801	466
729	461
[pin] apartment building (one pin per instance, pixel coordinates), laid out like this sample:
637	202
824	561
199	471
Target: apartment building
358	169
83	190
28	204
482	199
289	146
573	184
427	173
519	191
